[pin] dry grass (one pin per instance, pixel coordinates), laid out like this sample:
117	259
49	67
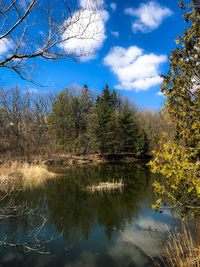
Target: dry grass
29	175
8	172
105	187
35	171
181	250
9	169
35	175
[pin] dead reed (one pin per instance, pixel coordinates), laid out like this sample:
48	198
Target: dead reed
27	174
181	250
35	175
105	187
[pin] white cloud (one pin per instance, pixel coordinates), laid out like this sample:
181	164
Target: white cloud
5	45
159	93
116	34
134	69
113	6
149	16
91	4
143	233
86	30
31	90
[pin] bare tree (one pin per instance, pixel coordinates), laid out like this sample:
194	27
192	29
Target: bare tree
23	122
33	29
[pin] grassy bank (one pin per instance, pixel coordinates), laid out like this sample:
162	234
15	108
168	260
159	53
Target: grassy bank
27	174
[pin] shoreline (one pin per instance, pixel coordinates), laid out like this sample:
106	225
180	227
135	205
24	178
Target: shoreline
70	160
19	169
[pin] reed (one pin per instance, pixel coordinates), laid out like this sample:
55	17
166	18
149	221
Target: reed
28	175
105	187
35	175
181	249
9	169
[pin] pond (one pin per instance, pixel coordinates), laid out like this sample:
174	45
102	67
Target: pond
80	227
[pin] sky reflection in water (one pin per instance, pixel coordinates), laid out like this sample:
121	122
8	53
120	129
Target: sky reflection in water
88	227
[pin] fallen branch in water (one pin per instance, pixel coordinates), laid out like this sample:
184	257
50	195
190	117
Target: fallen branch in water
19	212
24	246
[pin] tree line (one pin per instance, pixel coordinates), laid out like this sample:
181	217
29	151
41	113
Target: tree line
75	121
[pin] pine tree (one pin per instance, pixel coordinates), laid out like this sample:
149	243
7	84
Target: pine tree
141	143
104	105
60	122
128	128
86	121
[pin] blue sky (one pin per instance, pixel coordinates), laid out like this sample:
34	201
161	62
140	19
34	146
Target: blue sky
130	52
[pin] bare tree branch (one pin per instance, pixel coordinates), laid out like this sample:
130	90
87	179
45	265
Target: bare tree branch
41	29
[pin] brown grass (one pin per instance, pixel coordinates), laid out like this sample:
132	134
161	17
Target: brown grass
28	175
9	169
181	250
35	175
107	187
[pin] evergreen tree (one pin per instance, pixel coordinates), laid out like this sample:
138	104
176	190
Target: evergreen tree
87	120
128	128
104	105
116	101
141	142
70	120
115	137
60	122
178	159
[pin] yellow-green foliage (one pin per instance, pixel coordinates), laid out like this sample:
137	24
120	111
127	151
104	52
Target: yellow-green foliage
181	185
178	159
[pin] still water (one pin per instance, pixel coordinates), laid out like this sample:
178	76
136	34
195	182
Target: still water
82	228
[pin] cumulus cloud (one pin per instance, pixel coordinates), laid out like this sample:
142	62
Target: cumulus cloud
85	32
5	45
134	69
113	6
148	16
116	34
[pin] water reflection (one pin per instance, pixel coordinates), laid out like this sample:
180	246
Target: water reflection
70	207
88	225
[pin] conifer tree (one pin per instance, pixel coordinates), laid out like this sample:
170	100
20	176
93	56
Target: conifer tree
60	123
104	105
128	128
178	159
141	142
86	121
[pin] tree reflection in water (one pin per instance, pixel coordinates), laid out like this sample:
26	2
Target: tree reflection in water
74	214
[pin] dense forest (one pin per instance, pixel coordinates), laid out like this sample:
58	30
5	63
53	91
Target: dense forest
77	122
